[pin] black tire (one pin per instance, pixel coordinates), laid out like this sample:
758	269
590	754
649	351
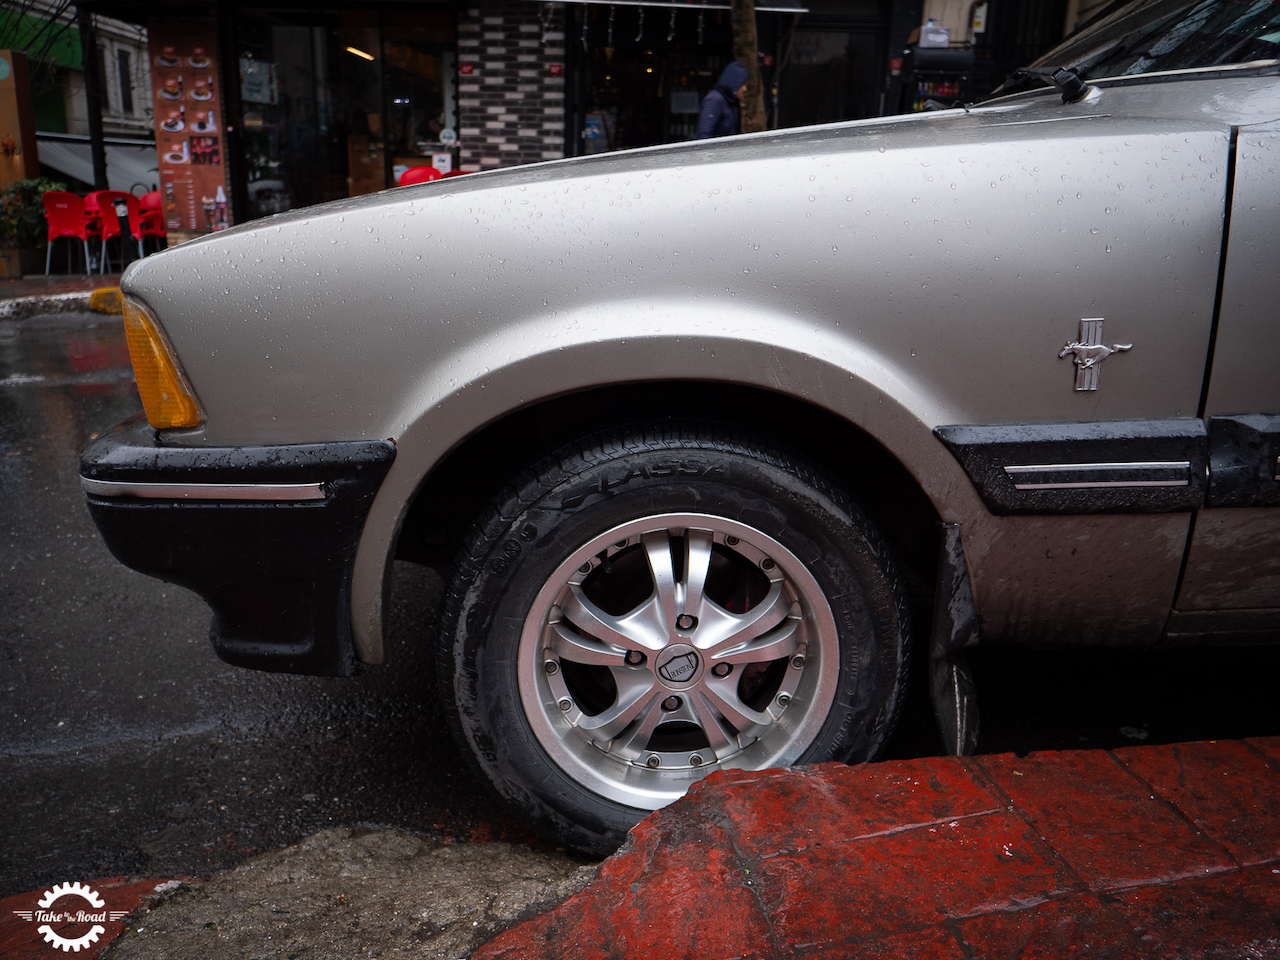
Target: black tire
801	654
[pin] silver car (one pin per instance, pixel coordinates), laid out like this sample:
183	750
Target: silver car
690	430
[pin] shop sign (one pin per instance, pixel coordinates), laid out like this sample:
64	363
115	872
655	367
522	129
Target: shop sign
258	81
466	69
186	91
555	69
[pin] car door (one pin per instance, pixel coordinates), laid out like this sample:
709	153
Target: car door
1231	586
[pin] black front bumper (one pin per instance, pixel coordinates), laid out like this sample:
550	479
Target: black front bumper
266	535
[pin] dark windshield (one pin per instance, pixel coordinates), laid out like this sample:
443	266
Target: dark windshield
1151	36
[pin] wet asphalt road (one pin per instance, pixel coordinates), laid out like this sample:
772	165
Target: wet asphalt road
127	747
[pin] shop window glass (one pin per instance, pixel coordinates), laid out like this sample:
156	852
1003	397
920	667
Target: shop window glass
647	73
830	76
419	50
311	111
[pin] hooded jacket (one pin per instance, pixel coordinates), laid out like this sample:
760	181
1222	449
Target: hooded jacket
719	114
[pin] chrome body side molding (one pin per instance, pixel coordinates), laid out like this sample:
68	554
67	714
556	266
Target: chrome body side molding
1131	466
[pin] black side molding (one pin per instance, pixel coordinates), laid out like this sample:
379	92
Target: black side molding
1244	461
1130	466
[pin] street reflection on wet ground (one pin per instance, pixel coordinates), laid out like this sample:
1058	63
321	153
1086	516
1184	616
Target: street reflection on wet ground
127	747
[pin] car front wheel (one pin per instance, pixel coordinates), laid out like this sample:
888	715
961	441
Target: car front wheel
649	605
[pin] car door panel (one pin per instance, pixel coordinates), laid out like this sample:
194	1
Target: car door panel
1234	558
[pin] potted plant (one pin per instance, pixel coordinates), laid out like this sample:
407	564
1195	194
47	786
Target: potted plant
22	226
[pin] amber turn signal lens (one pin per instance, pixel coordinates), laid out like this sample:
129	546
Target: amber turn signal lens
166	395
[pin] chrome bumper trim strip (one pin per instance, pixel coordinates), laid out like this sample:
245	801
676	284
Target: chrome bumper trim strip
268	492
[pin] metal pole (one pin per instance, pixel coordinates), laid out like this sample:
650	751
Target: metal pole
93	96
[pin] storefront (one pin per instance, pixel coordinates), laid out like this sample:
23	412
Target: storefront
339	103
642	68
264	108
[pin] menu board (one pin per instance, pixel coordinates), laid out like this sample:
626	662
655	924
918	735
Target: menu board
189	141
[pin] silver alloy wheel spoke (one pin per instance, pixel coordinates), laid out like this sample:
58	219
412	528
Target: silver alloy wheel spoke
635	738
722	742
723	695
578	648
637	693
774	645
657	546
641	628
719	630
697	563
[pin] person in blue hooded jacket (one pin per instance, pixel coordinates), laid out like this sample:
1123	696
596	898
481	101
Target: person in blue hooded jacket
719	114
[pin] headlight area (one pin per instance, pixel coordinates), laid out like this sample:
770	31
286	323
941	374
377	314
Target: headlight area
167	397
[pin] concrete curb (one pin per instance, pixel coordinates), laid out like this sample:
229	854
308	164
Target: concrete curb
21	308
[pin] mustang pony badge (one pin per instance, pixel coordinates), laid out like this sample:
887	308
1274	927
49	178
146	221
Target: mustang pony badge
1089	351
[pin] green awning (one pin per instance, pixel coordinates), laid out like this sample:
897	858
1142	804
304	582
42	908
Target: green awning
49	42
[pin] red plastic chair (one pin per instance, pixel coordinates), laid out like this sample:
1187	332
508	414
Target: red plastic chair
456	173
419	175
67	221
104	203
152	224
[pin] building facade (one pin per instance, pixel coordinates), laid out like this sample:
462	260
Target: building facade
262	107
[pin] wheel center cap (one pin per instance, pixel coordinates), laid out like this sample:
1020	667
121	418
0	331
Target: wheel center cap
679	666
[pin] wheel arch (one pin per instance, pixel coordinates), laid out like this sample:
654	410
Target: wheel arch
461	483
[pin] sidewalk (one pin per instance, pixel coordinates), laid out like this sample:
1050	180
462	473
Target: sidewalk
1143	852
1146	852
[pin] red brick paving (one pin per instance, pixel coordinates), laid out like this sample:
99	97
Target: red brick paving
1221	787
1086	805
1231	915
1147	852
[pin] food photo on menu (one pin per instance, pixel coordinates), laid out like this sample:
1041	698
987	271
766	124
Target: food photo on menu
198	59
176	121
204	150
172	88
168	57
